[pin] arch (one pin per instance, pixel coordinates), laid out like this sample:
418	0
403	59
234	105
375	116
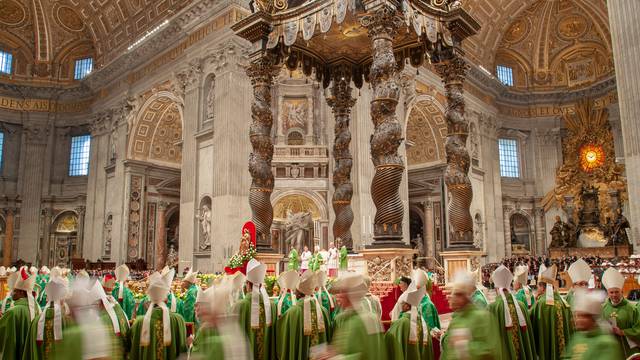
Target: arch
426	130
157	131
520	228
301	201
295	137
61	218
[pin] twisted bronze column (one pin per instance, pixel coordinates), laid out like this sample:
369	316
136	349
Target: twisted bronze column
453	71
382	26
261	73
341	102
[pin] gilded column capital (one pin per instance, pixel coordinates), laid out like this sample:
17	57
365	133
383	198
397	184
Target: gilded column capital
383	23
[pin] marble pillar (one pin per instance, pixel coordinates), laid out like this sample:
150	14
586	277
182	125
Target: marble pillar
45	259
541	233
81	211
36	139
7	247
161	236
429	229
625	35
507	231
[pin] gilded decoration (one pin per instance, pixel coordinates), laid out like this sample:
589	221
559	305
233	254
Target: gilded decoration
69	18
67	224
295	203
555	44
426	131
295	114
158	132
13	13
589	161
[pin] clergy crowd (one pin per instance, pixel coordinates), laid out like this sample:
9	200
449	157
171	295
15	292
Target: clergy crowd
55	315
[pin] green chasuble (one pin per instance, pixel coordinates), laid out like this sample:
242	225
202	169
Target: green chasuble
14	329
76	337
142	305
156	350
569	298
398	345
627	318
429	313
41	282
479	299
285	298
358	336
188	310
261	340
478	332
201	342
552	327
372	304
294	260
519	342
291	342
122	322
128	302
35	350
592	345
521	296
8	302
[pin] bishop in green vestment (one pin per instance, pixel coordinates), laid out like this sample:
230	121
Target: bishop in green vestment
590	342
7	302
524	293
14	324
357	334
428	309
579	272
621	314
304	325
551	318
47	328
513	319
256	313
122	293
473	332
288	282
409	337
190	288
294	260
160	334
88	336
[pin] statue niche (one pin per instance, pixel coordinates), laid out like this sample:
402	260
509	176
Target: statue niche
298	230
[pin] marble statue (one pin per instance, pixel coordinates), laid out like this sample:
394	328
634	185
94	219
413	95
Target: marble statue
172	257
205	222
211	100
619	230
108	226
295	226
557	233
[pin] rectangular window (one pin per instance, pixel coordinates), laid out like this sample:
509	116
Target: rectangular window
505	74
509	159
1	148
83	68
79	157
6	62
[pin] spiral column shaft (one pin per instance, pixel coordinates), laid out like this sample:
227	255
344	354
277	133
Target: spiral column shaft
261	73
341	102
453	71
382	26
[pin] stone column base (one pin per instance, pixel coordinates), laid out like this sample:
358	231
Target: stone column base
459	260
272	260
387	264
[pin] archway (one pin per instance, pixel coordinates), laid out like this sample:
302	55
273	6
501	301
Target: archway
64	239
296	218
426	131
520	233
416	231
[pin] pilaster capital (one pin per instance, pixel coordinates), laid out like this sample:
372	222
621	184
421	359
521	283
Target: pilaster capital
10	211
163	205
36	133
229	56
548	136
188	77
81	210
101	123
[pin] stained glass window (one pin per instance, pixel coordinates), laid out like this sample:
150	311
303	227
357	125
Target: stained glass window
83	68
79	157
505	74
509	159
6	62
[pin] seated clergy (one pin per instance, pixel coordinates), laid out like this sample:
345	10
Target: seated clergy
621	314
160	331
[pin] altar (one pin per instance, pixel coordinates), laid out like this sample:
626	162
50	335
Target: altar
605	252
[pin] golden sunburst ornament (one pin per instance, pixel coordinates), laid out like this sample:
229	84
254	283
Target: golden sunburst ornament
591	157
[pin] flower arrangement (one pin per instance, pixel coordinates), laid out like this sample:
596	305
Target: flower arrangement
269	282
240	259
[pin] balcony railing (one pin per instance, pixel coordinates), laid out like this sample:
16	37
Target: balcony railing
286	152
